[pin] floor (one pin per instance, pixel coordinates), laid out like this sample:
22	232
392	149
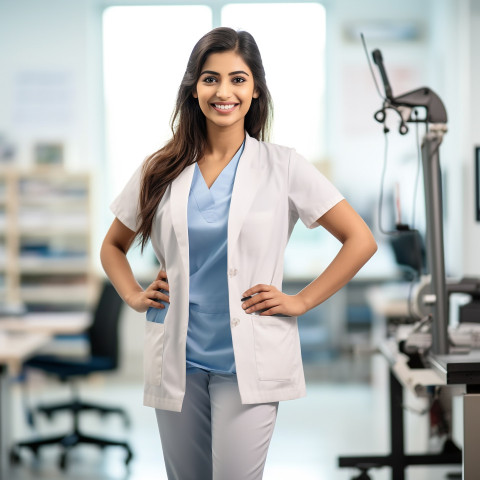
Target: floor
344	413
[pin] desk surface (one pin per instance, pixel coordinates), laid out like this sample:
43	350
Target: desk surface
390	301
21	337
51	323
17	347
458	369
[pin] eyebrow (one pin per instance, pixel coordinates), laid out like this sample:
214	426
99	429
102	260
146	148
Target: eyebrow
211	72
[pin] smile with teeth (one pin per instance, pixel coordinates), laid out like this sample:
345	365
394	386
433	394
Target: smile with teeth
227	107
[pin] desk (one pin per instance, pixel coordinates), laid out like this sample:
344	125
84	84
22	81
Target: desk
20	338
465	370
451	370
54	323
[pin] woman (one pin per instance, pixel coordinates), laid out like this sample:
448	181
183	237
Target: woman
219	204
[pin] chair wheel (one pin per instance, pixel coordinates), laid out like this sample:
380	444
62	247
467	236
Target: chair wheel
129	457
30	418
363	476
15	457
63	461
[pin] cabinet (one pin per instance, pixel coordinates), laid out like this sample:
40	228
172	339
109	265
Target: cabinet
45	239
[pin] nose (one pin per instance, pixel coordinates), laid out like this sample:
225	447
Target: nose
223	90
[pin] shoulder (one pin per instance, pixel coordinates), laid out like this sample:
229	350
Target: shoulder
270	152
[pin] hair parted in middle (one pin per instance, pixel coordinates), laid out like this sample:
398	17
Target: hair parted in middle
188	123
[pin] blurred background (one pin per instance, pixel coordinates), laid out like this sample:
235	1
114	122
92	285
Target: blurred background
87	88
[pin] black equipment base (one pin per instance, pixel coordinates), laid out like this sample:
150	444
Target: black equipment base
397	460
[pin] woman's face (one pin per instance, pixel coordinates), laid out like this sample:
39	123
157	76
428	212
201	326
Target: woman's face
225	89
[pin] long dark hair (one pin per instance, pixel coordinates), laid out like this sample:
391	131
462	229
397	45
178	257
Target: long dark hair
188	124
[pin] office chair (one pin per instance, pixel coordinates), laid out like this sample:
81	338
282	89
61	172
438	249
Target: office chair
104	353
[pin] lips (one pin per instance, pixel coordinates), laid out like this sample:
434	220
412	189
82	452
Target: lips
224	107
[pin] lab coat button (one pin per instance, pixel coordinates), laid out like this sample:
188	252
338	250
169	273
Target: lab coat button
232	272
235	322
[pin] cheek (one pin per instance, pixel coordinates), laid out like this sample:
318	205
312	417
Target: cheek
247	104
203	104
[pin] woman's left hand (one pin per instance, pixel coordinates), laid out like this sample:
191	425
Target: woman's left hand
276	302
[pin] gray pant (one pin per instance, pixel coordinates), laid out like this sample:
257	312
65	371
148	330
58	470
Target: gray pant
215	437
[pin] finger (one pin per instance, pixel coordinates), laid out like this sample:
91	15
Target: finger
257	289
163	285
162	274
262	294
262	306
270	312
255	299
158	295
158	285
154	304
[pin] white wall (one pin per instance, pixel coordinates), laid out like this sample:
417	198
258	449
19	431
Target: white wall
471	228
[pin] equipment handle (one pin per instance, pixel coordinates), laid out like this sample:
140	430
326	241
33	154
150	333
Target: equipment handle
378	60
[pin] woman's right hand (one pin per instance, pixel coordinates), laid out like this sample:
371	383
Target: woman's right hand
141	301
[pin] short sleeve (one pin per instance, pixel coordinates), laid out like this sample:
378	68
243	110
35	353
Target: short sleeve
310	193
125	206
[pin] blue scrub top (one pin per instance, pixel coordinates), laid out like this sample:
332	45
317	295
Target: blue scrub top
209	339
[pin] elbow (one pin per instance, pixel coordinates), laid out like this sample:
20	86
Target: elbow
103	254
364	244
370	246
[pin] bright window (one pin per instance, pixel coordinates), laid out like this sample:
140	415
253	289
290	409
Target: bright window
145	54
291	39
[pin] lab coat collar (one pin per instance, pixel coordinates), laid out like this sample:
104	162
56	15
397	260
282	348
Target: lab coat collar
247	180
246	183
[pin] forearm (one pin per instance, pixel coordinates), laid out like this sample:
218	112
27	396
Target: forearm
119	271
349	260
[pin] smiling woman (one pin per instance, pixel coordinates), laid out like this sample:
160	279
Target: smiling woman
219	204
225	91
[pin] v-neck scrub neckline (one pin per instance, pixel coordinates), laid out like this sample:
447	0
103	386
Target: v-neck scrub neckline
209	200
209	340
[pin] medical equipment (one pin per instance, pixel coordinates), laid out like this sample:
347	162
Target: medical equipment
429	354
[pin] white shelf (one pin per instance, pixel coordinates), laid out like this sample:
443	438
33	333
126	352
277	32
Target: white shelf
54	231
55	201
45	231
53	265
56	294
63	222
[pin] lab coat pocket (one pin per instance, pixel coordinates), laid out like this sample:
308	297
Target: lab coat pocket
156	315
274	339
153	353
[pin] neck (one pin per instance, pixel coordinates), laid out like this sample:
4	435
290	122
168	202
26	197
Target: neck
224	142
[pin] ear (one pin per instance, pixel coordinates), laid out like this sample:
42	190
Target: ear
256	94
194	93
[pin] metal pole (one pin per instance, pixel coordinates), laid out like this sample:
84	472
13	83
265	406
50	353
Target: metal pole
435	248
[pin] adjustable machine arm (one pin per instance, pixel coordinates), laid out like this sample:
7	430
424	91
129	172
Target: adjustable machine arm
404	104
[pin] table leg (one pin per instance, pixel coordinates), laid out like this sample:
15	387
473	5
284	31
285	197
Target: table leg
4	423
471	435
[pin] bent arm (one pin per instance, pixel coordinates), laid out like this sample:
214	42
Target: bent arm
358	245
113	256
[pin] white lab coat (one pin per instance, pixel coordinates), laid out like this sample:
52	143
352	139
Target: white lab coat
274	186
